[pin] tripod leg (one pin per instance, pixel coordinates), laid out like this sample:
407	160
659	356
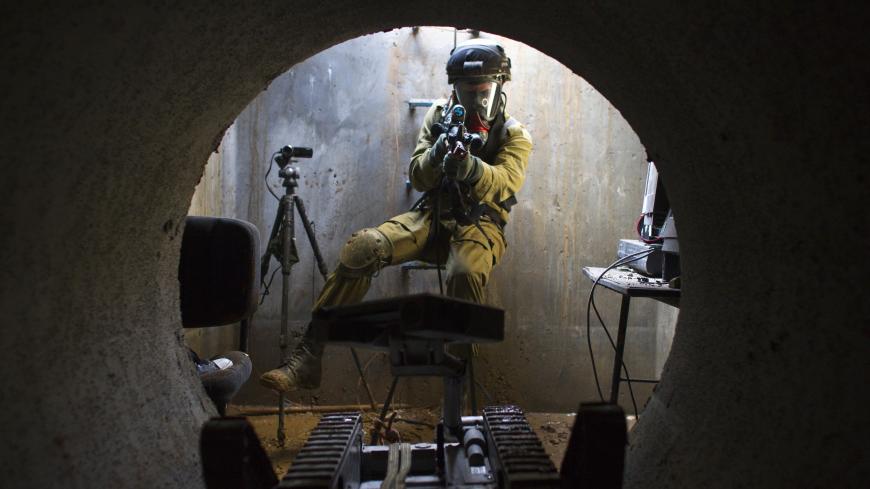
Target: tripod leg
362	377
287	246
373	440
300	206
244	329
287	237
280	434
267	255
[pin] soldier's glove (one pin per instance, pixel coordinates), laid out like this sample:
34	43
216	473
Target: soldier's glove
467	169
437	152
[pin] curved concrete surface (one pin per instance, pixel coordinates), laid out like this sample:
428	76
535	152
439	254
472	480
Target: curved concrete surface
756	115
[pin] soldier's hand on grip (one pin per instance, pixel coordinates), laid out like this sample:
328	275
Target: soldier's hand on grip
439	149
461	166
437	152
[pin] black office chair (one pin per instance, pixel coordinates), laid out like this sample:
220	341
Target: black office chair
218	278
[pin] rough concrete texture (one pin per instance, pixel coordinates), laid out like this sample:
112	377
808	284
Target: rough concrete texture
757	114
583	192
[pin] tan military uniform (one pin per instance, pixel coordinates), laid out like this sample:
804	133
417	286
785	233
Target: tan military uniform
470	255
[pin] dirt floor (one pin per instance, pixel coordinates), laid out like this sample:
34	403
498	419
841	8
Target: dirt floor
414	426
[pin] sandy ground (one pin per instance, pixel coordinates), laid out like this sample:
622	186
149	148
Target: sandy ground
553	429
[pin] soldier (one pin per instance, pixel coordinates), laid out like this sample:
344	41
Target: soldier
472	203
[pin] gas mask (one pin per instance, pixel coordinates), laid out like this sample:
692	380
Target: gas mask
481	99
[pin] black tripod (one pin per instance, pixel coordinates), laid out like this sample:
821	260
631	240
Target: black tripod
282	245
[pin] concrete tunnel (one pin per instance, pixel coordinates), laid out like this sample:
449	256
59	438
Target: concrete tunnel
755	115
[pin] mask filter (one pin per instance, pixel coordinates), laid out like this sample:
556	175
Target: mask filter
476	124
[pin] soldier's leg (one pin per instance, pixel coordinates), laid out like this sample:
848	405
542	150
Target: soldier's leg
364	254
472	258
473	255
367	251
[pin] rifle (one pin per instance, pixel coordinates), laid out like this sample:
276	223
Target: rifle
459	143
459	140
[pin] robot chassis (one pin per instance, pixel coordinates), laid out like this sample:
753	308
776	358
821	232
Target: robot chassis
497	449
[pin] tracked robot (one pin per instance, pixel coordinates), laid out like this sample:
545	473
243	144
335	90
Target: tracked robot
496	449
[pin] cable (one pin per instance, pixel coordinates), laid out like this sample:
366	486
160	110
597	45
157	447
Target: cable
485	392
266	180
503	103
624	366
590	305
645	239
622	261
366	369
438	267
436	222
589	318
267	285
266	177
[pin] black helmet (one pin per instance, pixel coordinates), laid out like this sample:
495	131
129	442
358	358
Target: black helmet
477	69
478	59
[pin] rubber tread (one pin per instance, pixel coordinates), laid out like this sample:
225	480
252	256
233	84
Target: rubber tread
521	459
317	464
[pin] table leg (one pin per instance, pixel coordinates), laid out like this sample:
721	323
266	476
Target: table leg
620	349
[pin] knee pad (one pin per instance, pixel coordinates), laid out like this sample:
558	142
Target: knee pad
366	252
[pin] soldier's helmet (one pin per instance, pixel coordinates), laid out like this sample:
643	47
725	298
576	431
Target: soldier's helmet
477	69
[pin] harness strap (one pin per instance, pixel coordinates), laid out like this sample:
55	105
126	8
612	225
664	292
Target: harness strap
468	213
507	203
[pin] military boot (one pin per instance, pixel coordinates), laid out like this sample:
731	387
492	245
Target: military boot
302	370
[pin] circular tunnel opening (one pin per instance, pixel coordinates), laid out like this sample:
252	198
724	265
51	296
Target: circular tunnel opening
360	105
742	106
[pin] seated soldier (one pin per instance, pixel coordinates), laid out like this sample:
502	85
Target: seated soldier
471	193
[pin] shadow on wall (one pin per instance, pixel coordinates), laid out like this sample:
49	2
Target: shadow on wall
583	192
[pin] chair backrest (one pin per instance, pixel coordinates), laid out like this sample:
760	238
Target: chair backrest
218	273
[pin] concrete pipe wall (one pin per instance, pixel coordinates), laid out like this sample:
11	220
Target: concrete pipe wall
755	112
583	191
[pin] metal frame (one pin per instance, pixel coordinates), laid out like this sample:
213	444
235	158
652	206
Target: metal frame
628	289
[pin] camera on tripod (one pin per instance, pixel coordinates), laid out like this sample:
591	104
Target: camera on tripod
282	246
287	153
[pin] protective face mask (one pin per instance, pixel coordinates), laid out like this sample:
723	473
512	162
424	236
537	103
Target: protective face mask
478	97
